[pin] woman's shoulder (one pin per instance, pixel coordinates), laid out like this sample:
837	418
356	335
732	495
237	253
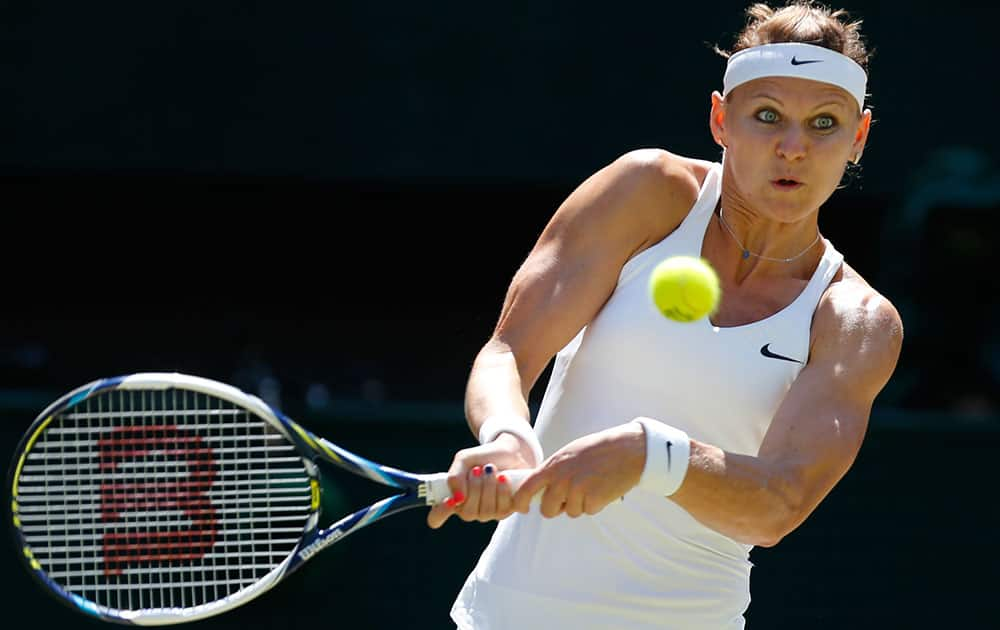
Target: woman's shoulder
661	184
635	200
661	167
848	288
851	306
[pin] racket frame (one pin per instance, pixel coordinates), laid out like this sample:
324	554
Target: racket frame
417	490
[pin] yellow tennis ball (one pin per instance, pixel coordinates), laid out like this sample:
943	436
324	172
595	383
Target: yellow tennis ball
684	288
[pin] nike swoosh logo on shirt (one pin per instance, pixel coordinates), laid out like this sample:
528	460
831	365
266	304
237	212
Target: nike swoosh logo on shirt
765	350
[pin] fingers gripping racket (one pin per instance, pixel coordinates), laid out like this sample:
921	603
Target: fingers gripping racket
163	498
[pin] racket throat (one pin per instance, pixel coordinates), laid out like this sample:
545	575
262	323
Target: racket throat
434	488
324	540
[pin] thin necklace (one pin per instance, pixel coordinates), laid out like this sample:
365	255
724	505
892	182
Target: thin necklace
747	253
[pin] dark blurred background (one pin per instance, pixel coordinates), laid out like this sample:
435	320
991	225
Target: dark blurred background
324	203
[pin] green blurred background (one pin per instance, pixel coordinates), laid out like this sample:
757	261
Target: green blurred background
324	203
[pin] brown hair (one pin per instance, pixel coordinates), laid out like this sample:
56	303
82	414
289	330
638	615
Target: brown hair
806	22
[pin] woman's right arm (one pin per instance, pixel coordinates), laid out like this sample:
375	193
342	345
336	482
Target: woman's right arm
563	283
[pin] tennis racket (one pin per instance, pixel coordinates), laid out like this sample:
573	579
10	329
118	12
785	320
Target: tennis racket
156	498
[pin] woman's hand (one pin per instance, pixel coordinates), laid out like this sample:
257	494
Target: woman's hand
587	474
479	491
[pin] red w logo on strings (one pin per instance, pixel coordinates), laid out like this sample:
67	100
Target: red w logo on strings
184	471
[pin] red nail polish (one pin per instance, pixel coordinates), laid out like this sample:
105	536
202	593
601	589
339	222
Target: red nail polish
501	478
450	502
477	471
458	497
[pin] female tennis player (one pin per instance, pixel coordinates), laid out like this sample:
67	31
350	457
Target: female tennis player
684	444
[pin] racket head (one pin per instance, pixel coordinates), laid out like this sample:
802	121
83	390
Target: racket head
133	499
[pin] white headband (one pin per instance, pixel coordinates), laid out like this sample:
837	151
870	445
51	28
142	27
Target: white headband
804	61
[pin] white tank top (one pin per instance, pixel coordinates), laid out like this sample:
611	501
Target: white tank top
644	562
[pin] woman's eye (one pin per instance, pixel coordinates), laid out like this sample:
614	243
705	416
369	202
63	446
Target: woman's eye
767	115
825	122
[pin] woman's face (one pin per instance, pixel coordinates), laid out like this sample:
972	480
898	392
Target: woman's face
788	141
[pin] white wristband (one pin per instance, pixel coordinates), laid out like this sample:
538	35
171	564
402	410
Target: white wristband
515	425
667	452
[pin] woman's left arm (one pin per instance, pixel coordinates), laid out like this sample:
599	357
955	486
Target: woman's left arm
811	442
815	435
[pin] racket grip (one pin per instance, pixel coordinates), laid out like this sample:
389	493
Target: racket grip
438	490
516	477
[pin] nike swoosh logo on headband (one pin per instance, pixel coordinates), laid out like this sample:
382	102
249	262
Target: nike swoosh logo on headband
796	62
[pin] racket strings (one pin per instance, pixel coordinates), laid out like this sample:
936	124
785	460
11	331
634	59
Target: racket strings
160	499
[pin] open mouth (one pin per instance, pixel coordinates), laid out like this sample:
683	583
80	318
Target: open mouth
786	183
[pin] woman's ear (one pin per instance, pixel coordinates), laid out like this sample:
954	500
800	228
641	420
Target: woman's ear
861	136
717	119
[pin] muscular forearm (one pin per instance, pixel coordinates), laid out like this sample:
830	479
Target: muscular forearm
494	387
495	390
746	498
